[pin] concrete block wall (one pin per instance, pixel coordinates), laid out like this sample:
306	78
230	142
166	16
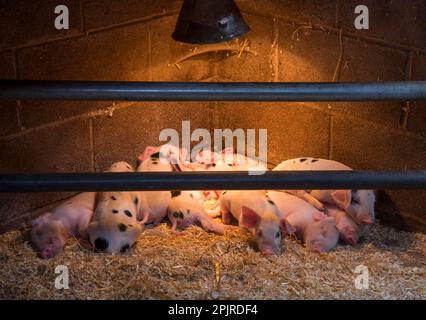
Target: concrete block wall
290	41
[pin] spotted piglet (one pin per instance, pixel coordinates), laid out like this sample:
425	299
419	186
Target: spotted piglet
50	231
186	208
259	215
163	158
318	231
359	204
121	166
226	160
152	205
114	227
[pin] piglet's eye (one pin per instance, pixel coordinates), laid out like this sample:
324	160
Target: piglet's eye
354	201
278	234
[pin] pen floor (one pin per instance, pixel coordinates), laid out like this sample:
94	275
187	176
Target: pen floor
164	266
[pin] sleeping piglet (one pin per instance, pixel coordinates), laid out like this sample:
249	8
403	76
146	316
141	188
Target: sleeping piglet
120	166
186	208
257	214
152	205
349	231
50	231
226	160
227	157
114	227
318	232
359	204
163	158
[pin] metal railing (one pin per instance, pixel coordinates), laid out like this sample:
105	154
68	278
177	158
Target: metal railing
211	91
194	91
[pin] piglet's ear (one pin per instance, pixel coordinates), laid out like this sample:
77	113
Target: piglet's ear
318	216
147	153
249	218
342	198
286	228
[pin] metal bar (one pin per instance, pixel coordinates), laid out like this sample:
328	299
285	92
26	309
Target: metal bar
151	181
211	91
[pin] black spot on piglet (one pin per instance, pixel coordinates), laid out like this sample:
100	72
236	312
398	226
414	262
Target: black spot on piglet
176	193
113	198
136	200
125	248
128	213
155	155
101	244
122	227
114	211
314	160
178	214
271	202
303	160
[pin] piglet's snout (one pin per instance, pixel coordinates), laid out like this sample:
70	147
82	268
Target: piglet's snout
47	252
366	218
269	251
350	239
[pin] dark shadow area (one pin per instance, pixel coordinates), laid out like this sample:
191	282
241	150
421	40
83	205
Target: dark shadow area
389	214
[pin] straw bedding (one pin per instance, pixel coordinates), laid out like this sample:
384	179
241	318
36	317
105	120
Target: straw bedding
164	266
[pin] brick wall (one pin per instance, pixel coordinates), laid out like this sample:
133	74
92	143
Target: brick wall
290	40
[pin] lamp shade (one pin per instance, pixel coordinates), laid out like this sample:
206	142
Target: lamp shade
209	21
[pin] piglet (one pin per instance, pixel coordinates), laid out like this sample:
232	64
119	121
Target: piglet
121	166
50	231
311	225
186	208
152	205
359	204
321	236
258	215
163	158
114	227
226	160
349	231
